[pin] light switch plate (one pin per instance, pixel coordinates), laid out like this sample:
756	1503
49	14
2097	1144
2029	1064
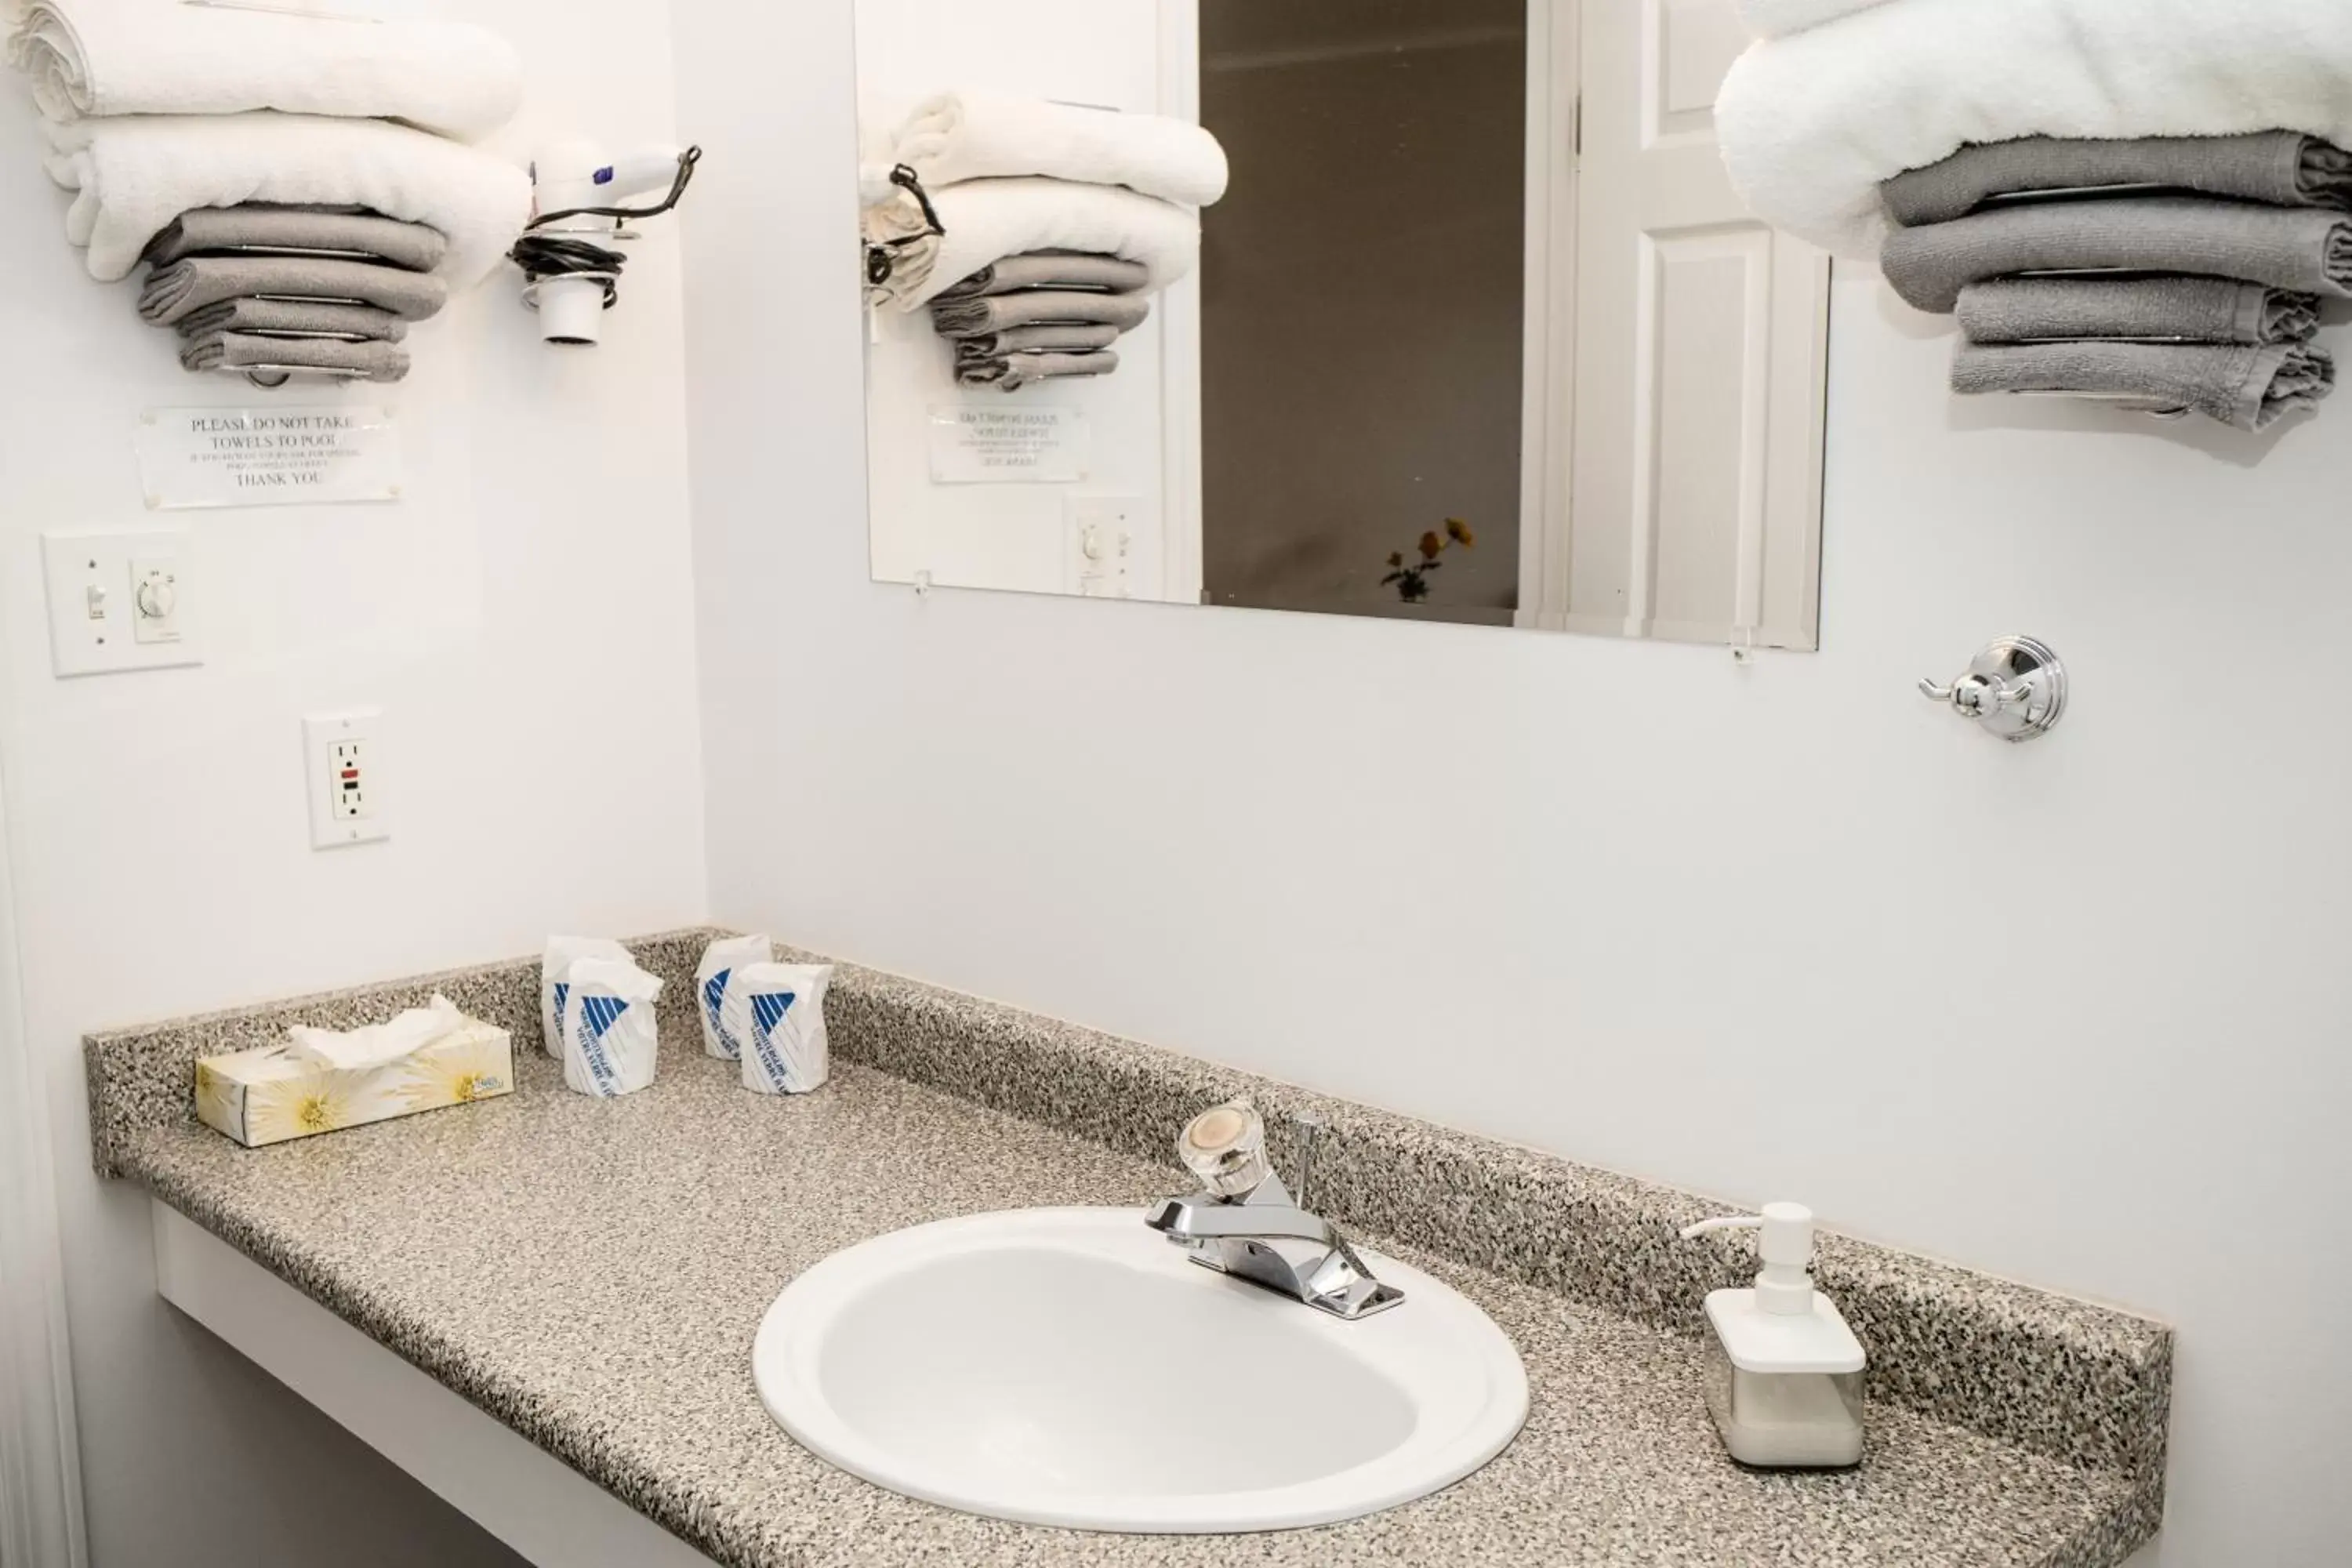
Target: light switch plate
94	582
342	758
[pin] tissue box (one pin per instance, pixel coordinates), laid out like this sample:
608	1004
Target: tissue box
268	1095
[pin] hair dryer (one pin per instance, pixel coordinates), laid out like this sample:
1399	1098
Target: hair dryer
577	200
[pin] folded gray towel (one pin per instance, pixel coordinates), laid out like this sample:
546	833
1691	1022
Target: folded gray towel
315	317
240	351
171	292
2285	168
2304	250
1036	340
1052	270
2245	385
1014	372
2143	310
971	318
409	245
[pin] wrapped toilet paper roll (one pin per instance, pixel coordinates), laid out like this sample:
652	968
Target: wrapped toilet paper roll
777	1010
719	961
562	952
611	1041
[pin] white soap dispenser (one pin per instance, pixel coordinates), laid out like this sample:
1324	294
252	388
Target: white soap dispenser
1784	1374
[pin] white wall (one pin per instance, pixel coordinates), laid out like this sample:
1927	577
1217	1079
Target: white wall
2073	1012
531	594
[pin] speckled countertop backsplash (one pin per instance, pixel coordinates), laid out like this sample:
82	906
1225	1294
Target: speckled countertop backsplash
2051	1377
144	1079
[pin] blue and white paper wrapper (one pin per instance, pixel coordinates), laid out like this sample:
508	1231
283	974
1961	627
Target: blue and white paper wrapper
719	961
562	952
611	1041
777	1010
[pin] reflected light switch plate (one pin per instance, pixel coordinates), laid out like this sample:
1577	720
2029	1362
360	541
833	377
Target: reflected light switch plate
120	601
1103	536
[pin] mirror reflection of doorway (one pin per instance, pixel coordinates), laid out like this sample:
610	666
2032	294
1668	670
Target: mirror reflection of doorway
1363	321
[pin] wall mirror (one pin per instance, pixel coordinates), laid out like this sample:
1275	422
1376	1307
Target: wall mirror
1473	330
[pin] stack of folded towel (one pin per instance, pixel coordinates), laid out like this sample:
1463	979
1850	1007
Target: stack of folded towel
2074	268
252	157
2029	166
1036	232
273	289
1040	317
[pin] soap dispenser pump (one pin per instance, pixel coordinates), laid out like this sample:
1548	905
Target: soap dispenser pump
1784	1371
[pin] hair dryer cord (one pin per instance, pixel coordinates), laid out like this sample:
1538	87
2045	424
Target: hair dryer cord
544	255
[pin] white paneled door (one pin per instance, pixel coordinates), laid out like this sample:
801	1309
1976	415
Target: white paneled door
1700	357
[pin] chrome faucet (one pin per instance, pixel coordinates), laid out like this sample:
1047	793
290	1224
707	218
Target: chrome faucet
1249	1225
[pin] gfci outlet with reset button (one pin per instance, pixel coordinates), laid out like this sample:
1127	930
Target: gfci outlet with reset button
342	758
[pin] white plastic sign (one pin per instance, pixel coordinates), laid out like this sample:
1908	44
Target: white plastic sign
279	456
1013	445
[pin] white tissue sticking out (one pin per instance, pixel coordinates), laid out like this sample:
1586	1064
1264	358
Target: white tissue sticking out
611	1039
378	1044
719	959
562	952
777	1010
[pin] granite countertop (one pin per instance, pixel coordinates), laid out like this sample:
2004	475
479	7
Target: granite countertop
592	1273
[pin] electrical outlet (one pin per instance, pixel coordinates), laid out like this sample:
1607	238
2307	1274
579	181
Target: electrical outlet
349	762
343	763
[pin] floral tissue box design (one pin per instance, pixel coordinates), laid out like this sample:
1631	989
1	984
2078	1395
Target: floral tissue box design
268	1095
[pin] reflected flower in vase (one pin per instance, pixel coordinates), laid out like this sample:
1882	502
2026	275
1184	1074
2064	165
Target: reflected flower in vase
1412	582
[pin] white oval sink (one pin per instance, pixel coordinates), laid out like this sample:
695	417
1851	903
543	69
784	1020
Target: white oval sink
1070	1367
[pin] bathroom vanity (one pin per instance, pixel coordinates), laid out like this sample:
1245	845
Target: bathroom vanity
545	1306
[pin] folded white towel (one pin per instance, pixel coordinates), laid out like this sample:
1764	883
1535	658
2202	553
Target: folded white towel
378	1044
1811	124
988	220
977	136
137	172
1778	18
157	56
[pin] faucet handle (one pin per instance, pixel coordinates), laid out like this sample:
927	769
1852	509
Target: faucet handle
1310	1128
1225	1148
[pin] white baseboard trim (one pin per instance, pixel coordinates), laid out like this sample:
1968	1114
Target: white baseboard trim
518	1492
